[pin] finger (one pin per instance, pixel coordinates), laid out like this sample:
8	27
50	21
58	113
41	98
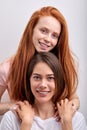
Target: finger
20	104
66	100
59	105
26	102
61	102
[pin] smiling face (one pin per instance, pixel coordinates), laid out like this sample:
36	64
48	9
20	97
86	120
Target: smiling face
46	34
42	83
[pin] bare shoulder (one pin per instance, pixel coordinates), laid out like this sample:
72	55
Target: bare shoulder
5	64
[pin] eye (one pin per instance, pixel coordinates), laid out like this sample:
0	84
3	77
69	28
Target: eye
43	30
50	78
36	78
55	36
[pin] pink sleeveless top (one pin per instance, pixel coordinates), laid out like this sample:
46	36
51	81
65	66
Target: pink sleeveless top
4	72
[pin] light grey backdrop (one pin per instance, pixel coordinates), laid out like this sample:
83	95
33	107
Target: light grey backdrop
14	16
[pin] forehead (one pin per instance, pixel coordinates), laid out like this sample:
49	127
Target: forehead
42	68
50	23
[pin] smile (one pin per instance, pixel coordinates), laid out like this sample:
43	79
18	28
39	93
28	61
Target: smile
43	45
42	92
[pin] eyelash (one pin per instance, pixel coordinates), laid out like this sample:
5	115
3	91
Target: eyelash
39	78
55	36
44	31
36	77
50	78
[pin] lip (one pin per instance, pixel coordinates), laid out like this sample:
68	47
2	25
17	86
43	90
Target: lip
43	46
42	93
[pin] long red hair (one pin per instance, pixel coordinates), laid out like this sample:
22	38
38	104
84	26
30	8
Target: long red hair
26	50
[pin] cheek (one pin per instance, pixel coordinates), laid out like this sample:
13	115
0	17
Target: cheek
55	42
34	37
33	86
35	34
53	86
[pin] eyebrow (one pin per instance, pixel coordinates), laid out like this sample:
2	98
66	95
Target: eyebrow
40	74
44	27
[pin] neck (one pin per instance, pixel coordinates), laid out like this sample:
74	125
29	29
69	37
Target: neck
44	111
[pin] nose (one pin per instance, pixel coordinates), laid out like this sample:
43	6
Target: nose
43	84
48	38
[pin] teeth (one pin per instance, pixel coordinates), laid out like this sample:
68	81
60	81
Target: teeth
43	44
43	92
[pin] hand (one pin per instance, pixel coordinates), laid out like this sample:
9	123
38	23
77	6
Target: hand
66	110
25	112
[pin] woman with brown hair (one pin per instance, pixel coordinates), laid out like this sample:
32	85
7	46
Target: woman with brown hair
46	31
45	86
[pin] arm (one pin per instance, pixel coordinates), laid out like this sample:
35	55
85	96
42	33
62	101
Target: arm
67	126
4	106
26	115
4	71
25	126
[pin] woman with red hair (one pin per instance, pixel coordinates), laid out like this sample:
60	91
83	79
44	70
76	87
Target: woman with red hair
46	31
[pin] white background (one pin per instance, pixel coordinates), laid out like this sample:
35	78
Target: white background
14	16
